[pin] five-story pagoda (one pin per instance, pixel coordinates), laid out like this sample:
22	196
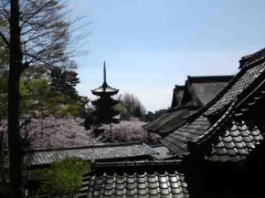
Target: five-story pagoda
104	105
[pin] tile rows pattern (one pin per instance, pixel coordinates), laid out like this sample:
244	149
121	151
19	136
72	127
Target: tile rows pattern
156	123
178	140
44	157
169	121
238	87
236	143
136	185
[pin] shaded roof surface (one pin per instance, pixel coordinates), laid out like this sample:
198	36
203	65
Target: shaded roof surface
178	92
198	91
156	123
178	140
207	91
137	180
99	152
198	128
205	88
169	121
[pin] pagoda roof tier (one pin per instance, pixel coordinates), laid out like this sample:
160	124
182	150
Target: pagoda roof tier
104	89
102	102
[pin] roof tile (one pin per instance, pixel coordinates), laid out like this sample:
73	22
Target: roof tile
147	184
97	152
236	143
177	140
238	87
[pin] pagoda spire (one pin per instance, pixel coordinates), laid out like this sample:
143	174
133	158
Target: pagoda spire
104	88
104	73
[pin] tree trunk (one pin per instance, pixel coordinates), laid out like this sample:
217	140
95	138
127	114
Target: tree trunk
14	138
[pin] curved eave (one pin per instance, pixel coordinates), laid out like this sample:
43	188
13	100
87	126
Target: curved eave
107	90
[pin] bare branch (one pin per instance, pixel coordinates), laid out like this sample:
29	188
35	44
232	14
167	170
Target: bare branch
36	12
4	39
45	32
38	59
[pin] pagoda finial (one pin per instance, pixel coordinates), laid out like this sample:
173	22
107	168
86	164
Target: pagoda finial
104	73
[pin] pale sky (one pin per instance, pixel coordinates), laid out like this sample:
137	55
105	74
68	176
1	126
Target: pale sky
151	45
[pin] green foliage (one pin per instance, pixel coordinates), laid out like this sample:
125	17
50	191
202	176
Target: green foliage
3	54
42	94
62	178
34	95
64	81
150	116
124	113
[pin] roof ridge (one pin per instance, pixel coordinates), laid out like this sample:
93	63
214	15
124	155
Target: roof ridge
90	146
212	130
251	59
253	88
136	163
180	86
210	78
232	82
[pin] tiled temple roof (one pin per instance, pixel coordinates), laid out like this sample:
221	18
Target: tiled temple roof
235	140
237	87
92	153
253	58
135	180
198	91
178	141
155	123
205	88
209	125
170	120
236	143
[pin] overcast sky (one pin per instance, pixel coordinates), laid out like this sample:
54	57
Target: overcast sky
151	45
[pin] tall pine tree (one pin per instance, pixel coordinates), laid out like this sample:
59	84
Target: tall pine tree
34	33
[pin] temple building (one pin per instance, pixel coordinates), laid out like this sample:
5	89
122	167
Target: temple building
219	149
187	99
222	145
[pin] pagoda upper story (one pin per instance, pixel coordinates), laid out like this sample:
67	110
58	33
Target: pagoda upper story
104	89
